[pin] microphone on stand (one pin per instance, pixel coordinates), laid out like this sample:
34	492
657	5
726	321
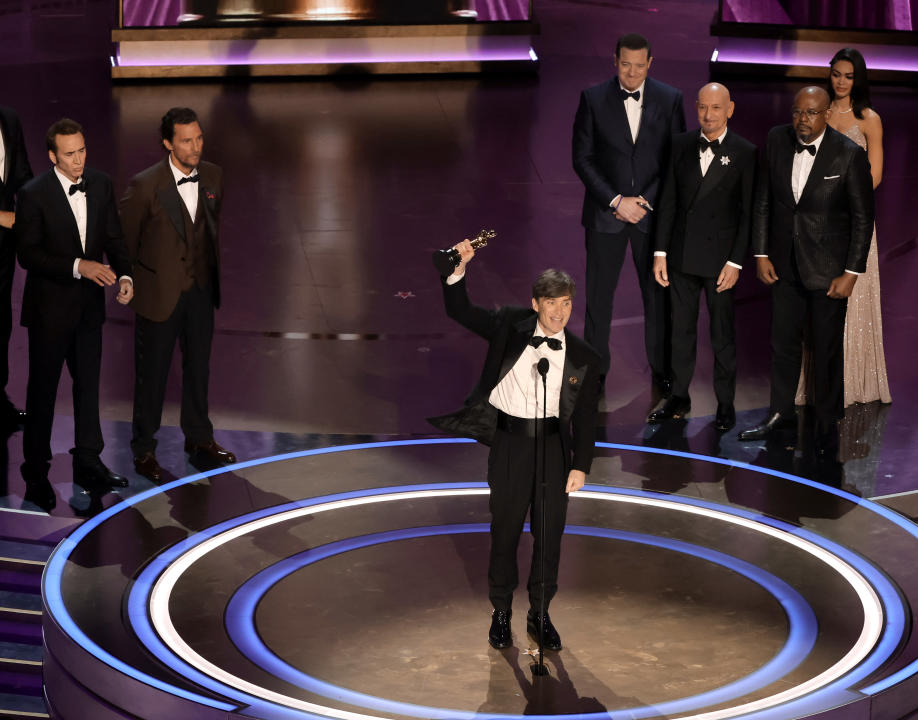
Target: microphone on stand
539	669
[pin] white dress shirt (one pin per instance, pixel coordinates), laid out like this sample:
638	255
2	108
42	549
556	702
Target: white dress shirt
2	159
188	191
77	203
633	109
519	393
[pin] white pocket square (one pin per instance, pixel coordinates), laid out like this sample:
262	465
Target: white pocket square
831	177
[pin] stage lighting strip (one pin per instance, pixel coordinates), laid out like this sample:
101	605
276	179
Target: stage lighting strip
240	622
57	610
174	563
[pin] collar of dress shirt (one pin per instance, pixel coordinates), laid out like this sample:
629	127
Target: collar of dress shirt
178	174
65	181
815	143
719	138
541	331
638	89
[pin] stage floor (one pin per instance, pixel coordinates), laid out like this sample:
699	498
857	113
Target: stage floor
349	581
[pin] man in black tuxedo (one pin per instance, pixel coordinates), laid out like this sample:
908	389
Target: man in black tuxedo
66	220
171	217
701	238
812	224
505	411
15	171
622	135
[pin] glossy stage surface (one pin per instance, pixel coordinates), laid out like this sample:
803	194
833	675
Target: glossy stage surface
348	582
332	333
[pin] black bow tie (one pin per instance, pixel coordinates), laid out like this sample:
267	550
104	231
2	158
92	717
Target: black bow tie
190	178
553	343
811	149
703	144
78	187
625	94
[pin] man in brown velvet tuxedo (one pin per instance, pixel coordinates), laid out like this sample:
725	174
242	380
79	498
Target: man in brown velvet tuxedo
170	214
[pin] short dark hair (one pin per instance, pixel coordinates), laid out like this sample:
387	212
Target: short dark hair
553	284
860	88
64	126
176	116
632	41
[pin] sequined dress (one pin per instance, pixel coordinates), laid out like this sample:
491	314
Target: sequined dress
865	362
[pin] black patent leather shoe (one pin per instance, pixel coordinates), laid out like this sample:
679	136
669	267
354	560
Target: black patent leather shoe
550	639
96	475
39	492
210	451
774	422
725	418
499	635
673	408
147	465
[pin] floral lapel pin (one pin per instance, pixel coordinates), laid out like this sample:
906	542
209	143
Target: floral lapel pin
725	160
572	380
209	195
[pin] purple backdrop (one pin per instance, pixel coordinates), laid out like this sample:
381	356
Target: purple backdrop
873	14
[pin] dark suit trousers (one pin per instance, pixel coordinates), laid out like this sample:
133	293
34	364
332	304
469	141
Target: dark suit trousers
49	348
192	324
7	266
685	295
514	491
605	257
795	311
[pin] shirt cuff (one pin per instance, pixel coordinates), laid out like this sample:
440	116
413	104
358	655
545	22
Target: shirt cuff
76	272
128	278
760	256
659	253
851	271
733	264
617	199
454	278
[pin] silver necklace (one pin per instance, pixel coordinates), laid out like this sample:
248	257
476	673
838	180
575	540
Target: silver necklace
842	112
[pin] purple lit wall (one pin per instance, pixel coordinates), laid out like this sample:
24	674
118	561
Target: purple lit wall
859	14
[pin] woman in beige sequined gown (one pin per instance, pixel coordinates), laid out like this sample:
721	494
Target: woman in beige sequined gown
865	363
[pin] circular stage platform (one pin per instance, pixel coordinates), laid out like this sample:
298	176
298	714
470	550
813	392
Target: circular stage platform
350	582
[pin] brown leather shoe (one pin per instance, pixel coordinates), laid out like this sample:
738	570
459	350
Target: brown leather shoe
147	466
210	451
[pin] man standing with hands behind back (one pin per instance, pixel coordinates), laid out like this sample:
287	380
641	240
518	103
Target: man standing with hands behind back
812	226
621	141
65	220
701	239
170	214
15	171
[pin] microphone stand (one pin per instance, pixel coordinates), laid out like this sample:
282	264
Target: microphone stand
539	669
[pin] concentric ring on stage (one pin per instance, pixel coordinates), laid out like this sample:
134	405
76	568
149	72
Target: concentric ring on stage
874	646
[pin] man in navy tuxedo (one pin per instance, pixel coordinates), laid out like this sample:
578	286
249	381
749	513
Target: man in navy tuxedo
622	135
66	220
15	171
812	224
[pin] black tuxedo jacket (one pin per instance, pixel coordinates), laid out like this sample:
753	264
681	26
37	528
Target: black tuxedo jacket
704	221
829	230
508	331
16	167
48	241
609	162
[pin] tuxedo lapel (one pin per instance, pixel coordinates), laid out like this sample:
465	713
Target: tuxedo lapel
784	167
619	116
572	381
689	171
92	213
516	343
169	198
717	170
821	163
7	144
57	196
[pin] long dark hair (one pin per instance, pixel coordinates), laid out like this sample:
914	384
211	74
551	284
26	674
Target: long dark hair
860	89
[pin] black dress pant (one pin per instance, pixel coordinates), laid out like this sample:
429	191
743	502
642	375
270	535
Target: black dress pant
516	491
50	346
604	259
685	292
192	324
7	266
795	311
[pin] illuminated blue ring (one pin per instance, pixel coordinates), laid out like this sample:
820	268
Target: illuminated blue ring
240	624
57	610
